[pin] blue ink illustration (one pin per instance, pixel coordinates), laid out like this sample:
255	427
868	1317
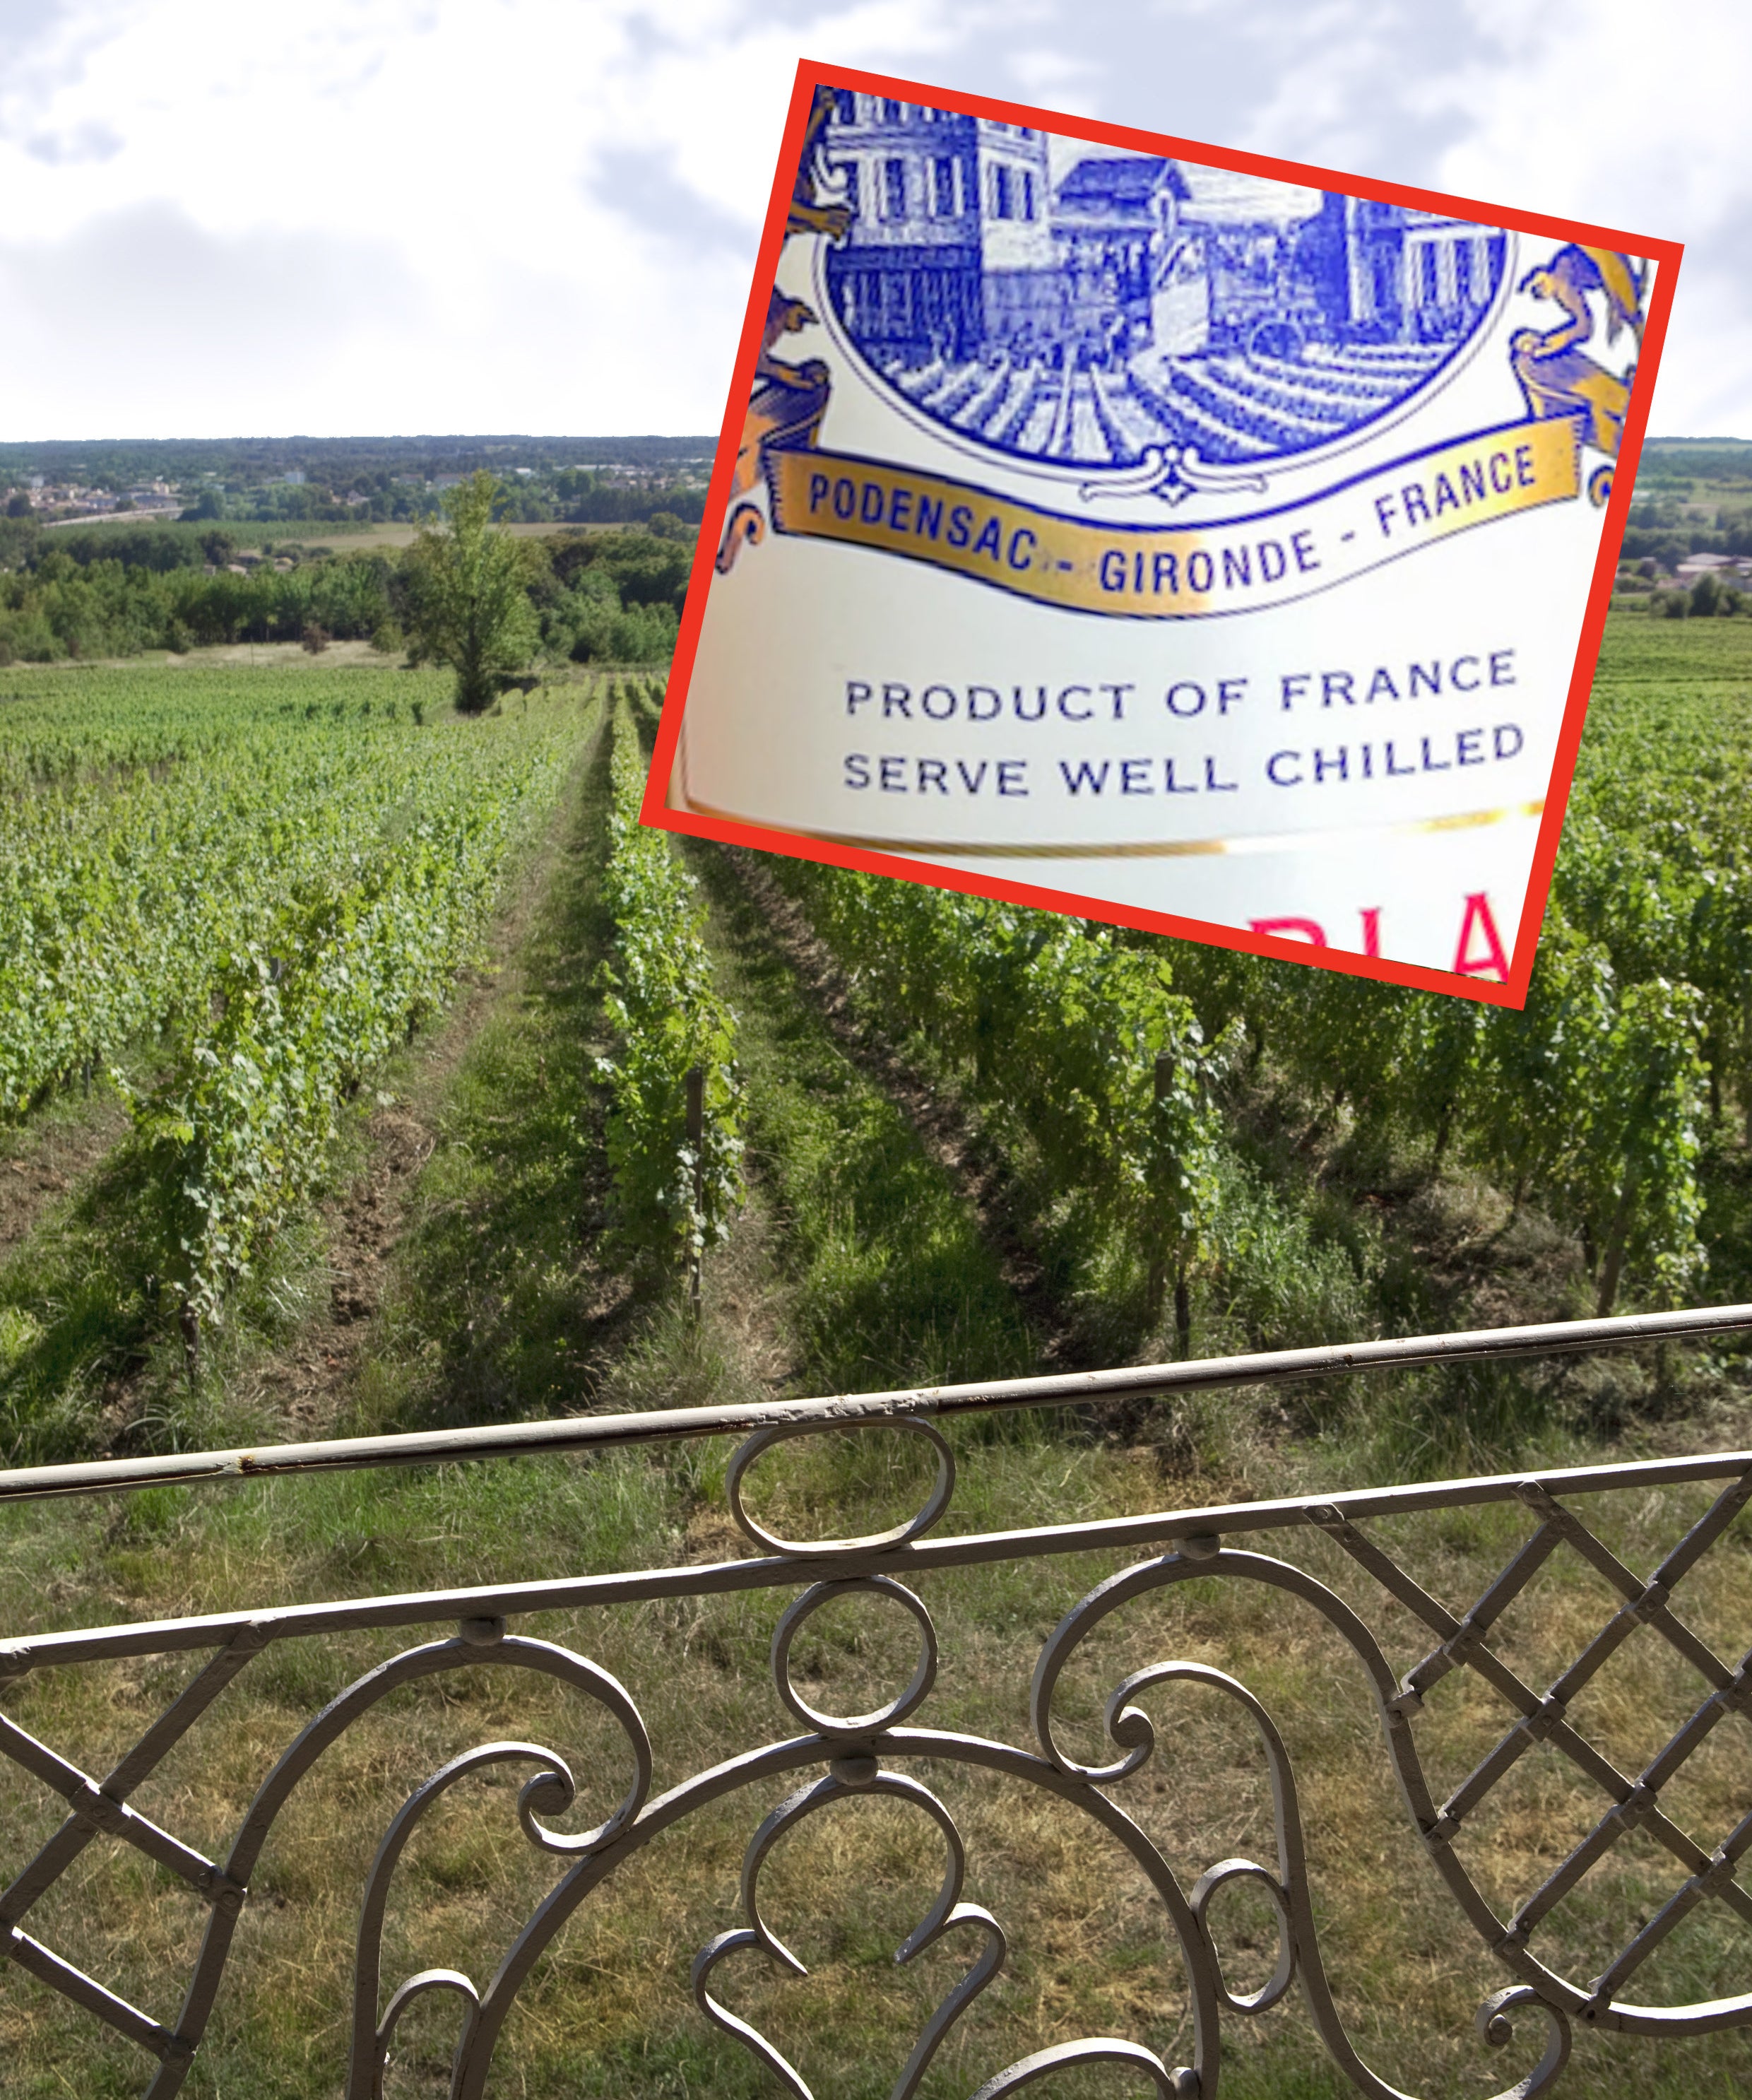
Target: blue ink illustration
1135	316
1556	374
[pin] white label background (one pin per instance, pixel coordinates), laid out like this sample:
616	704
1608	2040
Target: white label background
768	731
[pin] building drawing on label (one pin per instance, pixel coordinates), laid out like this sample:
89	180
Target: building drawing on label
1120	307
1036	408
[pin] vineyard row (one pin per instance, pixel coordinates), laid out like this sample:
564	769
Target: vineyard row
676	1163
1106	1065
263	919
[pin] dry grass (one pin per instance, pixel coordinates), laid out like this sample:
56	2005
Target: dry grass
609	2011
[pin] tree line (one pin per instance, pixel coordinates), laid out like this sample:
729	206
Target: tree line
1667	526
613	596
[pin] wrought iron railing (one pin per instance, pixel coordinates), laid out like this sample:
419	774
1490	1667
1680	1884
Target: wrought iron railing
832	1758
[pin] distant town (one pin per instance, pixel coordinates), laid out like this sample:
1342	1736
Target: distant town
363	481
1692	518
53	503
1689	541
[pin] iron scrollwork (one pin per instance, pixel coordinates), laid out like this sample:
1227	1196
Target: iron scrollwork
839	1758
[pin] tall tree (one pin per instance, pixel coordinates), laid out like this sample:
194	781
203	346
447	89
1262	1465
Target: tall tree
470	601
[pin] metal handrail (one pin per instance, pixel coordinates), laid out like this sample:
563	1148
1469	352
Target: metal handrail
595	1432
857	1756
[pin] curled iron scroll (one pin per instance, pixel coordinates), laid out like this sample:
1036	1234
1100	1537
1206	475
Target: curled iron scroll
1178	2084
481	1642
422	1986
898	1709
935	1504
1132	1731
948	1914
371	2034
1495	2027
852	1766
1223	1875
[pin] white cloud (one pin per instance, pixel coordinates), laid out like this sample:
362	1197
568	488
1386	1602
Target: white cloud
142	295
1592	115
540	215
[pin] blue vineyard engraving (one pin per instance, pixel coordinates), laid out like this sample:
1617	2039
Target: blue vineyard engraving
1122	311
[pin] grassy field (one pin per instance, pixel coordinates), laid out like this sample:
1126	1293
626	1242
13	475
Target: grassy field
1688	693
457	1268
244	532
284	534
402	536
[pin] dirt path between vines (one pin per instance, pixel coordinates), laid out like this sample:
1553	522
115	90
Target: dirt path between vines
947	1131
306	1384
49	1156
610	1342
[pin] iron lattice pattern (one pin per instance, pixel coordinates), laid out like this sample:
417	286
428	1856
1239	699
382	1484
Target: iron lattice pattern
866	1756
1631	1803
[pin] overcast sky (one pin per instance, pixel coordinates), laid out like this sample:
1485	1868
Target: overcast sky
360	216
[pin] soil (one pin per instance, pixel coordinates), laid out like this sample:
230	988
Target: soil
42	1163
305	1385
307	1382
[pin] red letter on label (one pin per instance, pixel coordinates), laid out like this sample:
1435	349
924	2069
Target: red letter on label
1479	921
1293	930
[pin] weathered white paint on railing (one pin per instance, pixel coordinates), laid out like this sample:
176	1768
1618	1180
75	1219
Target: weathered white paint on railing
837	1758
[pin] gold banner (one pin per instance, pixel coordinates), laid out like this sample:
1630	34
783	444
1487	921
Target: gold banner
1179	572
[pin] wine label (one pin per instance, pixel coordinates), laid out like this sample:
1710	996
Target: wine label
1160	534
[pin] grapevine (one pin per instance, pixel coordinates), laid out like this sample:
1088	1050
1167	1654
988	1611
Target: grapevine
661	1005
282	893
1086	1060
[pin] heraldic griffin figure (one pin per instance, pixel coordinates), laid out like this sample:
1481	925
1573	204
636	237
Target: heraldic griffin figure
786	406
1556	374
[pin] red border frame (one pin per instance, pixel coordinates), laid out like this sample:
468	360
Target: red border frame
799	845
